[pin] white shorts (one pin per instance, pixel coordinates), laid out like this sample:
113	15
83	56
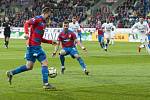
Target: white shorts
112	34
107	35
143	38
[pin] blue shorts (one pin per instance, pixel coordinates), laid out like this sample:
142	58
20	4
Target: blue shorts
35	52
79	34
148	37
100	38
71	51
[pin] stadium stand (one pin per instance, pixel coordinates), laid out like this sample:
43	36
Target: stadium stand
90	11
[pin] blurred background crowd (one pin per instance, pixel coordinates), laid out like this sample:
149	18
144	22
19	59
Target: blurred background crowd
123	13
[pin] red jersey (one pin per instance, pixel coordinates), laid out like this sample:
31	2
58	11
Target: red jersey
67	39
100	31
37	26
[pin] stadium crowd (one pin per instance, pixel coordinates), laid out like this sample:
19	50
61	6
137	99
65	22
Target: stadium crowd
25	9
125	15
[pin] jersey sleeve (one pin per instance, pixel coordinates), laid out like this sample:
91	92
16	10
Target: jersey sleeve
59	37
134	26
103	25
47	41
27	24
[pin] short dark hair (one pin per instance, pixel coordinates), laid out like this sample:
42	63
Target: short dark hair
74	17
46	10
66	22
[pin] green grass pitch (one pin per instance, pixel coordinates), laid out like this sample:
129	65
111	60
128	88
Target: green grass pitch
119	74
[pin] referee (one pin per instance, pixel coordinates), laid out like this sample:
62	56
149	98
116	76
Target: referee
7	33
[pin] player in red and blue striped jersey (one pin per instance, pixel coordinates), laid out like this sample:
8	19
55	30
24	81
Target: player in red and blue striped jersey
100	34
34	49
68	39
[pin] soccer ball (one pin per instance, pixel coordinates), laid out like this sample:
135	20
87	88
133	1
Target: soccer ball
52	72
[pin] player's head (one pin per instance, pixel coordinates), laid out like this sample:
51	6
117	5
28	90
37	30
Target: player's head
46	12
66	25
74	19
141	19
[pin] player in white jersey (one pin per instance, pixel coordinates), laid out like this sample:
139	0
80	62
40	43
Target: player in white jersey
108	32
143	29
75	27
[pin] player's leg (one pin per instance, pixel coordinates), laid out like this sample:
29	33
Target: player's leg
41	57
101	41
107	43
108	40
20	69
112	38
74	53
107	36
80	36
62	54
7	41
44	70
149	41
112	41
147	44
29	65
142	45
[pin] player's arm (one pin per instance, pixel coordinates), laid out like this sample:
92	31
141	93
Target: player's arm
48	41
103	27
148	29
27	24
134	27
57	46
56	49
113	28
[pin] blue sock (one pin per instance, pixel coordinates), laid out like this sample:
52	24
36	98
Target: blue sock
80	36
19	69
45	74
149	45
62	59
81	62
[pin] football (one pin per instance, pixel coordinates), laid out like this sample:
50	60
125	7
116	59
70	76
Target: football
52	72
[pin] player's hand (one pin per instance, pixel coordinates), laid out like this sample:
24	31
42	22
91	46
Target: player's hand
26	36
53	54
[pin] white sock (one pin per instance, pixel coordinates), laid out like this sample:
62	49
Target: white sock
84	69
45	83
112	41
142	46
62	66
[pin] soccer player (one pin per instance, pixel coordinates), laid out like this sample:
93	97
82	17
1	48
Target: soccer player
112	35
108	28
100	34
68	39
143	29
34	49
75	27
7	32
148	35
